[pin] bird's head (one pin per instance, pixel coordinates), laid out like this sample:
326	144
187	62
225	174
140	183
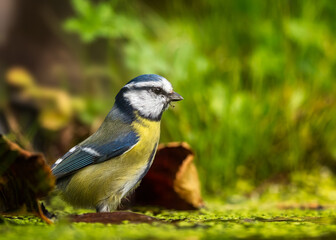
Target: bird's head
149	95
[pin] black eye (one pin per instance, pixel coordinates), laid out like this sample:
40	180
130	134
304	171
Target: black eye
157	90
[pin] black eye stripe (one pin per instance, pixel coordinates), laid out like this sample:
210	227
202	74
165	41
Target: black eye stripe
156	90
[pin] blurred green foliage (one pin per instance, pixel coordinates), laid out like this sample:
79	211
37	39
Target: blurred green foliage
258	78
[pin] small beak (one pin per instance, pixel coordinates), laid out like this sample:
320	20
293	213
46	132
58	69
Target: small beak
174	97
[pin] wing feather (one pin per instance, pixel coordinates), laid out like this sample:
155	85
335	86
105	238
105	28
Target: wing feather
92	152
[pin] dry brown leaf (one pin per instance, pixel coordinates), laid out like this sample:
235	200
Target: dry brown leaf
24	178
172	182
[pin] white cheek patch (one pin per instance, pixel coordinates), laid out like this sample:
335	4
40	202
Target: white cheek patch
147	104
91	151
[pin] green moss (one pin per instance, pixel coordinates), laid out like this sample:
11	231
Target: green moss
225	222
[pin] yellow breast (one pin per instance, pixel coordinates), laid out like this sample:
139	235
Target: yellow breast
113	179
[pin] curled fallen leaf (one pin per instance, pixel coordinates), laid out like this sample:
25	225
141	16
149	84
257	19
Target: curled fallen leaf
172	182
24	178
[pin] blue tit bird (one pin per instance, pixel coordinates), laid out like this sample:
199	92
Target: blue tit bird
104	168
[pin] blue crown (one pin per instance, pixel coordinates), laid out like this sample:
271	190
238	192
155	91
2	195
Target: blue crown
146	78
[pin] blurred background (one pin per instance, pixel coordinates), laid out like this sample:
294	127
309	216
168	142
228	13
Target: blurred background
257	77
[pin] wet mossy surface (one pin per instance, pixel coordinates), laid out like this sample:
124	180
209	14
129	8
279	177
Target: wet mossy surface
265	221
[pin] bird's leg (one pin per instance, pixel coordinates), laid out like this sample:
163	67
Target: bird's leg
103	208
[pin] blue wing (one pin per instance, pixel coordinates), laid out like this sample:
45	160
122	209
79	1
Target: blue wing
91	152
